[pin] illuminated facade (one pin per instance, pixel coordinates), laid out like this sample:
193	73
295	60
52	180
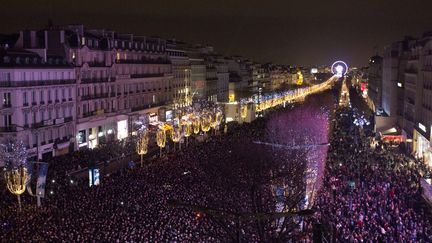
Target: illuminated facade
407	80
375	81
121	79
38	100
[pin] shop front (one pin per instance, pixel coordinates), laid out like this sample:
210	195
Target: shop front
422	148
91	134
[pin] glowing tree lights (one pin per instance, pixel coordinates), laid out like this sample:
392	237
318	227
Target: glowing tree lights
14	155
187	128
176	135
307	135
339	68
206	122
217	120
161	139
196	124
277	98
243	111
142	144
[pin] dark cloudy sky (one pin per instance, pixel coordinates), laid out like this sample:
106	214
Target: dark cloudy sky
281	31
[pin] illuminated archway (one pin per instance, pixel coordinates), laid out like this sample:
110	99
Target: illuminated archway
339	68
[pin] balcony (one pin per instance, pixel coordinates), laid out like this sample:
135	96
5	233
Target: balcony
143	107
411	71
7	105
62	140
147	75
94	80
94	113
96	64
144	61
12	84
11	128
95	96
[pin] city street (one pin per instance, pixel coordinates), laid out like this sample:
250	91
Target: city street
216	121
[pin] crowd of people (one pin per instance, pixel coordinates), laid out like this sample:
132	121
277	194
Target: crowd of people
136	205
197	194
370	194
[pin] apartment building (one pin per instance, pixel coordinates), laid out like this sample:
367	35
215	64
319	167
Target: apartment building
39	98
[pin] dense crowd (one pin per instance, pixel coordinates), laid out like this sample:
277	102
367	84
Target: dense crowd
133	205
367	195
370	194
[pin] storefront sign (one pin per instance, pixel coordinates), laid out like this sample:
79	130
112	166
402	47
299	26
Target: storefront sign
153	118
94	178
422	127
122	129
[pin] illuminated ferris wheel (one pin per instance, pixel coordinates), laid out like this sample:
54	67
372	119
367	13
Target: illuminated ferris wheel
339	68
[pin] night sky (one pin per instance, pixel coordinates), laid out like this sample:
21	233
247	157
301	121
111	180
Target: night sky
299	32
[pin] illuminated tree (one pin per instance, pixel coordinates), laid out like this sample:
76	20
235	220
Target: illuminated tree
187	130
14	155
243	111
176	135
142	145
161	139
196	124
206	122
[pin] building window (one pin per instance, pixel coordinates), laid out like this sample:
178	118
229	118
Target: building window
25	101
41	96
25	119
7	120
7	99
33	96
